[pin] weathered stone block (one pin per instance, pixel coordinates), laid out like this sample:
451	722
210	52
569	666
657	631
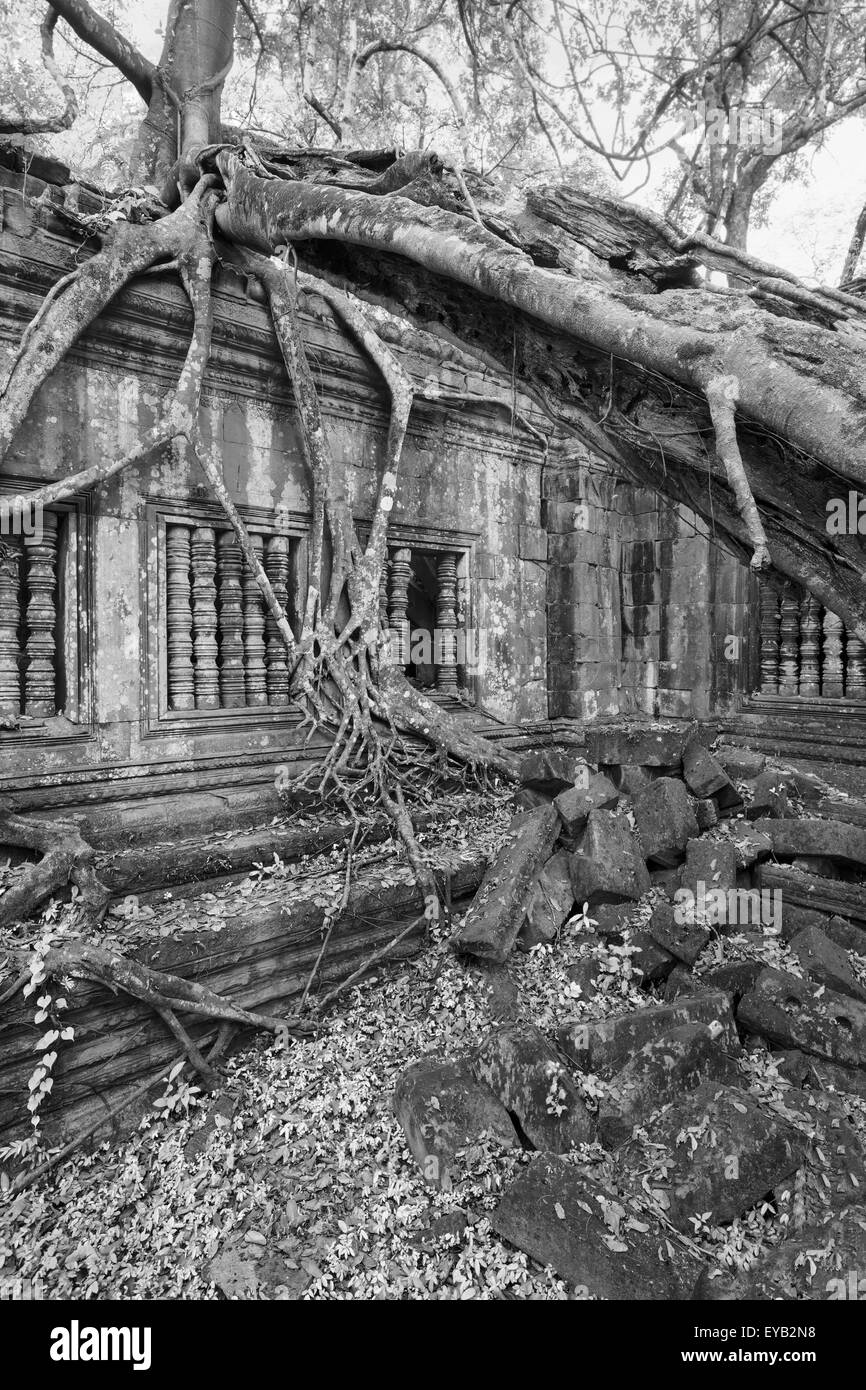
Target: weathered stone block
555	1213
800	1014
550	904
750	845
523	1070
711	866
848	935
769	795
737	978
734	1154
826	962
816	838
665	820
640	744
661	1072
552	769
575	804
706	814
498	910
704	776
611	919
608	866
604	1047
442	1108
741	764
650	961
683	940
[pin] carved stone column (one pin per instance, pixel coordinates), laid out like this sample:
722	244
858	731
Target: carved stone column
10	617
231	621
810	646
769	640
446	623
855	668
833	683
401	573
181	681
203	556
789	645
40	556
255	674
276	656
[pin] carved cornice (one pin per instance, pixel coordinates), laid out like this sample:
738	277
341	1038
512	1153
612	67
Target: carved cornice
146	329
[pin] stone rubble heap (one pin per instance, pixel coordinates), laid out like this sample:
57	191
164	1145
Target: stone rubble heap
660	847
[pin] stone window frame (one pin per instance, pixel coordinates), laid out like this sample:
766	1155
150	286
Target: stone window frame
435	540
75	610
158	719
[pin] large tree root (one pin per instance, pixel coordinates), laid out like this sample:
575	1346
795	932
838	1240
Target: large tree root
67	858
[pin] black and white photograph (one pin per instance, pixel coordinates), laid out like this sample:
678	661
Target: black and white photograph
432	670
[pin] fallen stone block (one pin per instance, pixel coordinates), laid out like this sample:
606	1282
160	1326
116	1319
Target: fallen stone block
769	796
705	777
523	1070
826	962
725	1154
498	909
550	904
681	981
668	880
824	1261
608	866
706	814
800	1014
553	769
846	934
736	978
631	779
502	997
635	744
650	961
662	1072
586	974
605	1046
741	764
575	804
442	1108
803	1070
559	1216
750	845
824	839
665	821
710	867
681	939
796	919
835	1167
611	919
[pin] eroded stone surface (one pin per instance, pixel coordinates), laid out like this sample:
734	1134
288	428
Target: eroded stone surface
723	1153
442	1108
605	1046
559	1216
521	1068
800	1014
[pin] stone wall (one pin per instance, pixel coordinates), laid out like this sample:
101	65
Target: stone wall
646	613
470	480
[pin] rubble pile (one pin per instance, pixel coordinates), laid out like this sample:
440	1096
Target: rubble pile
735	891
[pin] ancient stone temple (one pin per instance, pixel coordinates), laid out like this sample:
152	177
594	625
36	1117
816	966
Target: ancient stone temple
527	585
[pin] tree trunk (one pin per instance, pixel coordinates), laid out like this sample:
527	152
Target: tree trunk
184	106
